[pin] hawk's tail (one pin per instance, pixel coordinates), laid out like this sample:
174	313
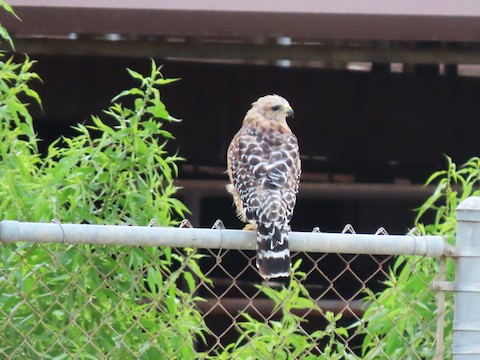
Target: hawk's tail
273	255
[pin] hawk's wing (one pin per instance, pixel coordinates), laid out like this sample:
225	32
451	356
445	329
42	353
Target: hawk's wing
264	168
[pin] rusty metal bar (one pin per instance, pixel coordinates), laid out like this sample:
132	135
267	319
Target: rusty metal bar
315	190
231	307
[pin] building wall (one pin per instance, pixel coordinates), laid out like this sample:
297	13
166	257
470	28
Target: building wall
353	127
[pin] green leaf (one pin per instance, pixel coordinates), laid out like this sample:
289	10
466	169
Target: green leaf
304	303
33	94
190	281
130	92
6	36
139	103
158	111
135	74
165	81
8	8
435	176
173	119
428	204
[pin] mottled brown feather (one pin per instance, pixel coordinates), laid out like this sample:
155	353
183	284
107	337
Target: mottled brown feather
264	167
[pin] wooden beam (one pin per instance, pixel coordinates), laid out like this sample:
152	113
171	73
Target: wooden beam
238	51
415	20
312	190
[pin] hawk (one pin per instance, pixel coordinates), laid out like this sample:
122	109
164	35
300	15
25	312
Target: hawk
263	164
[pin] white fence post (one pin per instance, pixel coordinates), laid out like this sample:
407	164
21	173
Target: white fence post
466	325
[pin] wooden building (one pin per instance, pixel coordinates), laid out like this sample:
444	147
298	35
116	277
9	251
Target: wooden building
381	90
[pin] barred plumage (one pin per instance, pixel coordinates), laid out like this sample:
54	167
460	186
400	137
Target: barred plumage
264	170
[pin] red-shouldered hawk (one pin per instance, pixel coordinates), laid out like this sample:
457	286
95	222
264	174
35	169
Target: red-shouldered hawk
264	169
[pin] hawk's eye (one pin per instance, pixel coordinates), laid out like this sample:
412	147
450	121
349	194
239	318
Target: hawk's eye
276	107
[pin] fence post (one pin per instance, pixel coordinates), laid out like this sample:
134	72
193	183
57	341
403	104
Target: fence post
466	322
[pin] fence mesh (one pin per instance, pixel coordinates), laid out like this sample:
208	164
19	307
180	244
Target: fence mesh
84	301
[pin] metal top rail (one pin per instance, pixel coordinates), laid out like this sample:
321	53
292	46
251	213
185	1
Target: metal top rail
377	244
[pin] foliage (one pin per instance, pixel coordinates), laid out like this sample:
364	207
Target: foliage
400	320
3	32
286	339
100	301
19	157
93	300
393	329
117	173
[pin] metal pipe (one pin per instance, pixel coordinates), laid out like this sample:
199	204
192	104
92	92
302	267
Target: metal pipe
466	288
15	231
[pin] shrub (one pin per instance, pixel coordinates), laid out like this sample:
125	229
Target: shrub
58	299
286	338
393	329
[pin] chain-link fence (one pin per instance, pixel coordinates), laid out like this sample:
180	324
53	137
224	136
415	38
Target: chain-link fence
93	301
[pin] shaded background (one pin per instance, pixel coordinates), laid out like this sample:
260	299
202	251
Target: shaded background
354	128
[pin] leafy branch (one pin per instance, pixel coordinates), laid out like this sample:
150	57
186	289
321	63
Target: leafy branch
393	328
286	338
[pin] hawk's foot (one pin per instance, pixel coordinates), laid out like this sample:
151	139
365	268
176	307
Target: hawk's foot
250	226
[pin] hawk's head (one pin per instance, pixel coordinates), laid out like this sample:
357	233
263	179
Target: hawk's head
272	107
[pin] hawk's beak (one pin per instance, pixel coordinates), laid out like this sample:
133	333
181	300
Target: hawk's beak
289	112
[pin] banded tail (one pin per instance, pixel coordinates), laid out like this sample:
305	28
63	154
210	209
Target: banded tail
273	254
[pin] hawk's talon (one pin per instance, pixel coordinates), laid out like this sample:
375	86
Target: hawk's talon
250	227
